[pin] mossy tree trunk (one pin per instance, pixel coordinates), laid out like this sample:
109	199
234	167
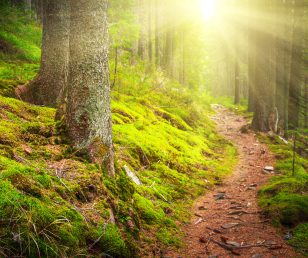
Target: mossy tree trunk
88	113
47	87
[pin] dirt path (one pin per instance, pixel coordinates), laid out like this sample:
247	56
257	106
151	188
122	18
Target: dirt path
233	216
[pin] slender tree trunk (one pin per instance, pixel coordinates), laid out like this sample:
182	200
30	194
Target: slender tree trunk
150	37
88	109
296	66
47	87
157	29
237	82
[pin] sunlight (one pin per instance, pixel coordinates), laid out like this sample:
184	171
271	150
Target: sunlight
209	9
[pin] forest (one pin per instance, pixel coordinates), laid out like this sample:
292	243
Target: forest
154	128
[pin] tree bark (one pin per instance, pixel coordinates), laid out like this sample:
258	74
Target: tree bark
296	66
47	87
88	115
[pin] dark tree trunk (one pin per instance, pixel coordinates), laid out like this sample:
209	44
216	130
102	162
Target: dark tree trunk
296	71
88	96
47	87
264	99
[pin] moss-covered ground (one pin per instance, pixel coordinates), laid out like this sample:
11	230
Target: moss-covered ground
53	203
285	197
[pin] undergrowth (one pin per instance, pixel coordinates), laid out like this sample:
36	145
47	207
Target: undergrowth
285	197
53	203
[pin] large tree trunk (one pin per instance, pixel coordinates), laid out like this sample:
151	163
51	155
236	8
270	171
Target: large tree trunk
264	89
88	96
48	86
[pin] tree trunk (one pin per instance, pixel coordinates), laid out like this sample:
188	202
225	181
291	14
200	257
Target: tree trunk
47	87
88	108
264	92
237	82
157	30
296	67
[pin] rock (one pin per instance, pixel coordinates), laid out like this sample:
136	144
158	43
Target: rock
251	188
220	196
253	185
288	236
269	168
230	225
202	208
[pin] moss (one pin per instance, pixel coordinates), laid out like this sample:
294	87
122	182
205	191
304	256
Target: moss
168	238
149	213
112	243
61	202
300	238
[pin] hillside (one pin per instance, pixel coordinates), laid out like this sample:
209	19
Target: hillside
53	202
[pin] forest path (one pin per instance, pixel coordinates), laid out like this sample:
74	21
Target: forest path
229	214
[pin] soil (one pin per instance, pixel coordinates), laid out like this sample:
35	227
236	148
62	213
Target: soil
228	215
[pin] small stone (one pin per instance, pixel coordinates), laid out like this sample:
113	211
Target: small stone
288	236
219	196
253	185
257	256
269	168
202	208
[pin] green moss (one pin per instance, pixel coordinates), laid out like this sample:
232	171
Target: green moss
168	237
61	202
148	212
112	243
300	238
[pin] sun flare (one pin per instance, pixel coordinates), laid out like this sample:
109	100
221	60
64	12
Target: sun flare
209	9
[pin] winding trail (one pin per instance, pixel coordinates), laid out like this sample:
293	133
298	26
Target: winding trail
232	217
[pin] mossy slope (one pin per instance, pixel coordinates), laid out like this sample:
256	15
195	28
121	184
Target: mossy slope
54	203
285	197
